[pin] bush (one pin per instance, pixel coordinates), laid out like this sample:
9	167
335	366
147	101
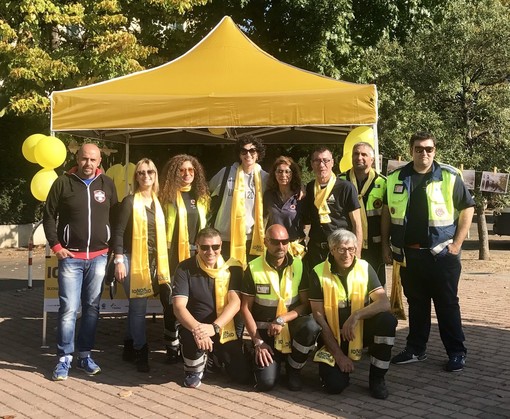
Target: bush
17	206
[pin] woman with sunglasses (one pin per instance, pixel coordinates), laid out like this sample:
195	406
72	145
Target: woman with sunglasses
240	189
185	199
282	200
141	259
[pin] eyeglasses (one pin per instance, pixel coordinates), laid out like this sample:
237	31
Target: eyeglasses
206	247
187	170
420	150
245	151
276	242
325	162
284	172
149	172
345	250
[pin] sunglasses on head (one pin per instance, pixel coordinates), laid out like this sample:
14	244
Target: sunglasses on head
206	247
277	242
245	151
149	172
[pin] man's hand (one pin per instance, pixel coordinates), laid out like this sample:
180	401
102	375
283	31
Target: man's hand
274	329
349	327
203	330
387	254
63	254
454	249
263	355
344	362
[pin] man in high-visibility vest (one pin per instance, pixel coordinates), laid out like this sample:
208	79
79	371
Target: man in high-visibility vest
371	187
277	313
427	214
353	311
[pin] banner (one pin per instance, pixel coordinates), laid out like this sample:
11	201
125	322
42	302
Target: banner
119	304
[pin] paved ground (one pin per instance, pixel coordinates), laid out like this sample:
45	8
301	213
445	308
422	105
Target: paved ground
482	390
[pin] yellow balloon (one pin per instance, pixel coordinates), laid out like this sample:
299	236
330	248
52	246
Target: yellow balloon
217	131
29	145
50	152
41	183
346	162
358	134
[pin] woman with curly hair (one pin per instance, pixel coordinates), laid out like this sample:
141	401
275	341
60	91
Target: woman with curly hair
185	199
282	199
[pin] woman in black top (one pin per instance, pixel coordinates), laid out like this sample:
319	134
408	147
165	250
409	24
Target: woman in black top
141	259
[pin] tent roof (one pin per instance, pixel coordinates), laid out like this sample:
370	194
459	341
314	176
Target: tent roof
224	81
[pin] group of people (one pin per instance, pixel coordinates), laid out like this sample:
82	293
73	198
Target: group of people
240	286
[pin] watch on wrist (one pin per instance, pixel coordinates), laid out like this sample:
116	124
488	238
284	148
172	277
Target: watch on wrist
216	328
279	321
116	261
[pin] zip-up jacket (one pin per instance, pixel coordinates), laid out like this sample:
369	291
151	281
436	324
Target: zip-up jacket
77	215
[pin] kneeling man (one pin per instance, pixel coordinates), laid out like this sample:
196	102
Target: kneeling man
205	299
277	313
353	310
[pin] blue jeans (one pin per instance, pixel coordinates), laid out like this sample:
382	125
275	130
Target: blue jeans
79	281
136	327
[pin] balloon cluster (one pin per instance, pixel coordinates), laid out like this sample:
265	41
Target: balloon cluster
358	134
49	152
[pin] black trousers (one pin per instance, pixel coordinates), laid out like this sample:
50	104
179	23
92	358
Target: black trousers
303	333
230	354
379	336
425	279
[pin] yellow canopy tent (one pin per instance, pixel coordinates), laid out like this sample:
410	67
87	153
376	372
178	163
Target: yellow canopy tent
224	81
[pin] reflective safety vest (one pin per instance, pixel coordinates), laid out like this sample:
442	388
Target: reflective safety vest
373	206
441	211
265	294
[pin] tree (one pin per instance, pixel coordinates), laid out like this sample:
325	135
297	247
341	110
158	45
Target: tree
453	80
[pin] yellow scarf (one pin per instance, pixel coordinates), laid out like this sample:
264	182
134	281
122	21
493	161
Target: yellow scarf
296	249
321	199
335	292
221	276
172	210
283	289
397	306
238	220
363	212
183	241
140	277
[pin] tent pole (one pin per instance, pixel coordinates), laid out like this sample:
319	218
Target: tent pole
376	149
126	174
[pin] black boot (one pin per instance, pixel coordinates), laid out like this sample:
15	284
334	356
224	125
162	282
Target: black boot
173	354
378	388
142	359
128	353
293	378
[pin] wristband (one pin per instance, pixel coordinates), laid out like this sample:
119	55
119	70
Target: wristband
116	261
257	342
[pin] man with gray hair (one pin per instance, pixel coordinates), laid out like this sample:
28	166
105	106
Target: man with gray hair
371	188
353	311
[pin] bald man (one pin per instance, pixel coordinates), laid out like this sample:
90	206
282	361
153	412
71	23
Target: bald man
81	201
276	312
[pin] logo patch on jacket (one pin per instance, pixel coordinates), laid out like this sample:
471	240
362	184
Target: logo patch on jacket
263	289
331	198
377	203
100	196
398	189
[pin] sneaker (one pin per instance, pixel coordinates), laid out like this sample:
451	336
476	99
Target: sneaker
456	363
293	379
61	371
406	357
88	365
378	388
193	379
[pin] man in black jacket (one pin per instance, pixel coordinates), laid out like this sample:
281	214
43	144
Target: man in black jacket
81	200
